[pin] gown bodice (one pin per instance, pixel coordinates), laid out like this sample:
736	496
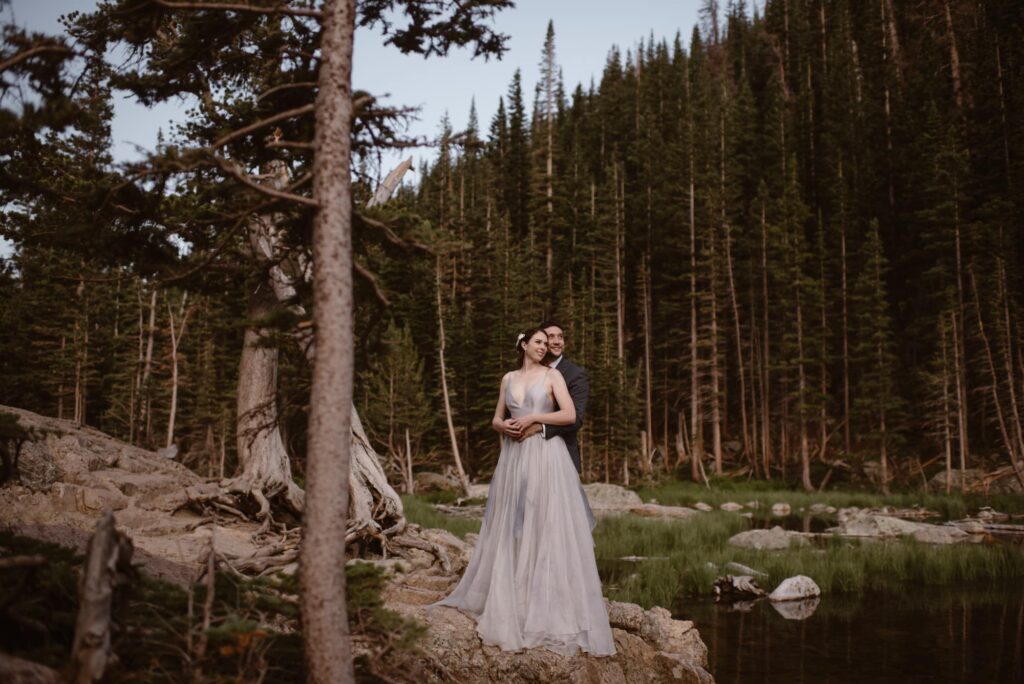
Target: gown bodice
535	400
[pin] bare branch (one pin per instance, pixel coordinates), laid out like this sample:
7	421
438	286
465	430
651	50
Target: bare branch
236	7
372	280
232	168
298	111
32	52
291	143
285	86
391	236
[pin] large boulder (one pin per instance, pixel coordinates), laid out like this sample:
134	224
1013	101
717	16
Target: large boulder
611	497
641	642
774	539
433	482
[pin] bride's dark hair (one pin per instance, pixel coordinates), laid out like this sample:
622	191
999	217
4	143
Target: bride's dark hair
525	337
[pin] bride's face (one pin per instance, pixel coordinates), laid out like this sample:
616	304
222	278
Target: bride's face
537	347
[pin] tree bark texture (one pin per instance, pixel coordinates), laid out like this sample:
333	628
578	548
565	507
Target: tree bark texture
322	560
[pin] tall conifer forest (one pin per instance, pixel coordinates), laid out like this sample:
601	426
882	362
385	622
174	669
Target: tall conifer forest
787	245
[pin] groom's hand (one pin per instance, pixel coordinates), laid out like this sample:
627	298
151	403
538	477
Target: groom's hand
529	432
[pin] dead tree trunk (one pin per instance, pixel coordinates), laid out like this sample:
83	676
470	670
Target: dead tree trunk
264	467
108	556
463	480
176	335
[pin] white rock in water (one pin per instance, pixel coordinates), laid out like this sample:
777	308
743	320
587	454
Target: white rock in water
781	508
795	589
701	506
731	506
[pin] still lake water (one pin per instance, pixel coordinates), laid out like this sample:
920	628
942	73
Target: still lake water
943	635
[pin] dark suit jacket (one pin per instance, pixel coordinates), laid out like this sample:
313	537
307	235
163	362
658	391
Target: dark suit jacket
579	388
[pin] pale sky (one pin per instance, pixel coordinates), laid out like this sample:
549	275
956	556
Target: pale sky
585	31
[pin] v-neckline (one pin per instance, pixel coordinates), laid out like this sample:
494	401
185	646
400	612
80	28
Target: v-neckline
526	391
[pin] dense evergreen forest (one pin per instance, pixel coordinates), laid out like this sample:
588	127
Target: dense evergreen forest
788	243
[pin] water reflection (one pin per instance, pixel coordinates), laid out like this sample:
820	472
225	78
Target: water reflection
797	610
927	635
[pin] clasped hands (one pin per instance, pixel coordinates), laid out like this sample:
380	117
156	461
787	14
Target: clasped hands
520	428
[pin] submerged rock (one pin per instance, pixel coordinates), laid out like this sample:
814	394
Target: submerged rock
774	539
872	525
658	511
795	589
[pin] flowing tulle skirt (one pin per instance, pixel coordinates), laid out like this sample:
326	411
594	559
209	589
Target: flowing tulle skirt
532	580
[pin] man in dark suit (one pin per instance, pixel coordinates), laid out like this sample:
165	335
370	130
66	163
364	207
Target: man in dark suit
579	388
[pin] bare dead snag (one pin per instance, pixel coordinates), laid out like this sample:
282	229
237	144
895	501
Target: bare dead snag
106	566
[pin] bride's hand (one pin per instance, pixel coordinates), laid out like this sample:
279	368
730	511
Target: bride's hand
526	421
510	429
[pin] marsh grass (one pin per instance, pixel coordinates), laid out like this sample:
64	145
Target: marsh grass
952	506
686	556
420	510
695	553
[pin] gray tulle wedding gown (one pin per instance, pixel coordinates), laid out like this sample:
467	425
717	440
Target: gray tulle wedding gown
532	580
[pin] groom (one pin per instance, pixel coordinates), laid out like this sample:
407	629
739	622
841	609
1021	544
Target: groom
579	389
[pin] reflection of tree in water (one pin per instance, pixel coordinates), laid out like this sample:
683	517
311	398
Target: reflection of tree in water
963	634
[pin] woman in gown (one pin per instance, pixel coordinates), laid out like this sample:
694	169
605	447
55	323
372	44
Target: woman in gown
532	580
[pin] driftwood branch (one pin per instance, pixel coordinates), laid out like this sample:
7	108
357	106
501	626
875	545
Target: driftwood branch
109	554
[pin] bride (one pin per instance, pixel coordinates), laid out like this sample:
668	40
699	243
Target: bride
532	580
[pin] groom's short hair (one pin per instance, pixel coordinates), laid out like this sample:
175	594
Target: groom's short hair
551	324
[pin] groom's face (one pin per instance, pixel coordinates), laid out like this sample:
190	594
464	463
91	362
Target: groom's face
556	340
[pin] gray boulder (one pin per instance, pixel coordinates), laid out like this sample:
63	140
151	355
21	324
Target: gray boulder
609	496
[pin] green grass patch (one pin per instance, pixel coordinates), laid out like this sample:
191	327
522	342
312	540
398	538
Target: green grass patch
420	509
951	506
695	553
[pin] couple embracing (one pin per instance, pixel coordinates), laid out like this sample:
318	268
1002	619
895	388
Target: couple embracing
532	580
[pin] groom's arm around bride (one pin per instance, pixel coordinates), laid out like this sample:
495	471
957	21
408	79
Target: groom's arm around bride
579	389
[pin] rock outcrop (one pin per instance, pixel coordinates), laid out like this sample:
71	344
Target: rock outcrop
650	645
70	475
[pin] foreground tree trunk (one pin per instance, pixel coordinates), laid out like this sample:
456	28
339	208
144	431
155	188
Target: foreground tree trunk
322	560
